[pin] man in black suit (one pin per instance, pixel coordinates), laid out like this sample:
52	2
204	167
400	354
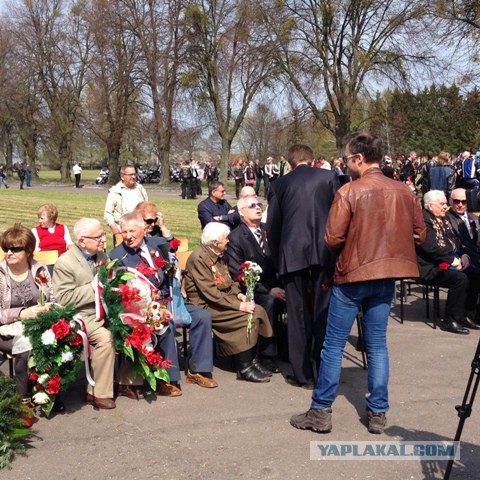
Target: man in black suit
465	227
247	242
137	249
297	214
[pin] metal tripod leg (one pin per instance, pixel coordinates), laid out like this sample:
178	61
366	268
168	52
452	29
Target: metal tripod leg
465	409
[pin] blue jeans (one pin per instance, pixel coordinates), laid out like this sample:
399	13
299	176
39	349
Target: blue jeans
375	297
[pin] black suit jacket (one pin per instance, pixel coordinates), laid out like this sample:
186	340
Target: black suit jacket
243	246
130	258
469	244
298	207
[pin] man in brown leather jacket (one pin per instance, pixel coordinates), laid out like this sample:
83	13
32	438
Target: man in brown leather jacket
373	227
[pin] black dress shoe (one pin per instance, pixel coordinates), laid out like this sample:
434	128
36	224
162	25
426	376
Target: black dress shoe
469	323
261	368
450	325
269	364
250	373
295	383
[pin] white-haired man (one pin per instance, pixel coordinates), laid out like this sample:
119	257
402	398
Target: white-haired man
73	282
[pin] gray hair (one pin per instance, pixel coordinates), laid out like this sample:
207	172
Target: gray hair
130	217
247	191
432	196
83	227
245	201
213	232
122	170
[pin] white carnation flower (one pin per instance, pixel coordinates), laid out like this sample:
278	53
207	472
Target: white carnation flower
43	378
48	337
41	398
67	357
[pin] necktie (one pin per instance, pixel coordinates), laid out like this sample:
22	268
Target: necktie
258	234
142	257
467	224
91	263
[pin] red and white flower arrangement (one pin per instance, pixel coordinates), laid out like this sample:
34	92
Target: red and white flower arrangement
250	276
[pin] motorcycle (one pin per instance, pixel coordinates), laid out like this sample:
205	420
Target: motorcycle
102	178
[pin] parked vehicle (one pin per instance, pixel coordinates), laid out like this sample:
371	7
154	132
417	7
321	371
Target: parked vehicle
102	178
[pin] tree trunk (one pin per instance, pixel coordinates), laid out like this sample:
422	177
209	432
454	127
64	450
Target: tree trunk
225	160
342	129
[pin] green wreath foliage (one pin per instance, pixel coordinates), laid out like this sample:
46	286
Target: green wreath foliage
11	422
47	358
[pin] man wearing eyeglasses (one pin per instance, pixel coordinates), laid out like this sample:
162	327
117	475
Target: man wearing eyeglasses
248	242
73	282
123	198
465	227
373	226
216	209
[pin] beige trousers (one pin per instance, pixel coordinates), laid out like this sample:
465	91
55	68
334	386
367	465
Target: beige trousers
102	360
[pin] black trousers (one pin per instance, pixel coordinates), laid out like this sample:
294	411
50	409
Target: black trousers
77	180
457	284
307	309
20	365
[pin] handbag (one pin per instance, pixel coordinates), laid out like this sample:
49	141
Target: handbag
181	317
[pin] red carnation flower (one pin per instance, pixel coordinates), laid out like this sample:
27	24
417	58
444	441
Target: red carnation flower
61	329
53	386
444	266
159	262
33	377
76	341
241	277
175	243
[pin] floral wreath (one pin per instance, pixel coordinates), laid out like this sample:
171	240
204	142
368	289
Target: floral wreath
136	314
58	340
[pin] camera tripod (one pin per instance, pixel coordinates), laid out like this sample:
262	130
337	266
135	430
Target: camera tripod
465	409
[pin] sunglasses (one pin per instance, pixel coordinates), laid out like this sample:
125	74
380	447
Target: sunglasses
255	205
13	249
150	221
456	201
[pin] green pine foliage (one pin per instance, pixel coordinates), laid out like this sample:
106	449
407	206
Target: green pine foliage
11	422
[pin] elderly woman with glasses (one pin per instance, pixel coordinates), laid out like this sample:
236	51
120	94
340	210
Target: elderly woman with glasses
208	285
49	234
154	221
21	281
442	262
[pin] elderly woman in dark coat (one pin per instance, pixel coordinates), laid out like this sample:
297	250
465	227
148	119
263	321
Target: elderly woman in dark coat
208	285
442	263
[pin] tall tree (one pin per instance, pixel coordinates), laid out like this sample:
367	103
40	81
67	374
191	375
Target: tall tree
230	60
158	25
330	49
53	43
113	71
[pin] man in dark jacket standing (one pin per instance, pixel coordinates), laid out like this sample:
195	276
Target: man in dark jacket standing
297	214
373	226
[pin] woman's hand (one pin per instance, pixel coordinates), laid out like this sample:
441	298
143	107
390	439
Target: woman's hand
247	307
242	297
33	311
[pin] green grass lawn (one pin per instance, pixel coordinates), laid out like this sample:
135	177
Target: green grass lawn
21	206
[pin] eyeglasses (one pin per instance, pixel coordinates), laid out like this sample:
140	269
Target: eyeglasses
98	238
220	191
150	221
129	175
348	157
254	205
13	249
457	201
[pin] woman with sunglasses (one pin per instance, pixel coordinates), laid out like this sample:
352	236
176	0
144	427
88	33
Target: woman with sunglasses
21	280
154	221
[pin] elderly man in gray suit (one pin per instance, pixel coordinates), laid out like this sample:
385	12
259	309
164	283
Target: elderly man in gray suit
73	282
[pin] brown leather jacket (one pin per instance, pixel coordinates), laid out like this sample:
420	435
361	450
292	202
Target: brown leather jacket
373	226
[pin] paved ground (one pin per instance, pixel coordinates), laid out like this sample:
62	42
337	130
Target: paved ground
241	430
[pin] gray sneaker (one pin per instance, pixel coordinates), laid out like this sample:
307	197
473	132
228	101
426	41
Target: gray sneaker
316	419
376	422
